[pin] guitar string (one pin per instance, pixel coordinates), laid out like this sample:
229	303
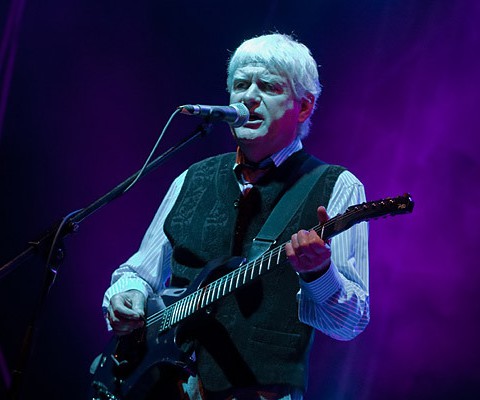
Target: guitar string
244	269
229	278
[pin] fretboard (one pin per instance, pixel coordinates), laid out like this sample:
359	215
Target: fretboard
203	297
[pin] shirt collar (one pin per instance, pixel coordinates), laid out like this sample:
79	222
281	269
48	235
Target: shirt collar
277	158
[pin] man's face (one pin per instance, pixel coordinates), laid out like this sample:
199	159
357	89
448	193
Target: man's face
274	111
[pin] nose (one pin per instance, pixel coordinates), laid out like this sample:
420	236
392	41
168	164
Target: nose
252	96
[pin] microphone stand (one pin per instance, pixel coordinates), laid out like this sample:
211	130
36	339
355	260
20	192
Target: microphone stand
50	243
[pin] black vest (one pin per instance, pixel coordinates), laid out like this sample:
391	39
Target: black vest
253	337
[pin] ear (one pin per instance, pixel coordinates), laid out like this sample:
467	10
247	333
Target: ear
306	107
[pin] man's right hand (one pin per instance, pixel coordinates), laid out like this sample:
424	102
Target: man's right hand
126	311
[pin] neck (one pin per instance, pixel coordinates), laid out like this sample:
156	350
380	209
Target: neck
254	153
261	151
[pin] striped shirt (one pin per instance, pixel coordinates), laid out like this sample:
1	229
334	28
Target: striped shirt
336	304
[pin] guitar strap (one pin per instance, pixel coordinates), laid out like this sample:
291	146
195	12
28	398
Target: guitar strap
283	212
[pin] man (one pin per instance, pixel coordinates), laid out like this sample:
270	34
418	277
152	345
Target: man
255	343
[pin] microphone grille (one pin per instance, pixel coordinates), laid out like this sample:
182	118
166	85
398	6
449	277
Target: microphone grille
243	114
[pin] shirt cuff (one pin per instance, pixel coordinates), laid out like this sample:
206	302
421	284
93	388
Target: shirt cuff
321	289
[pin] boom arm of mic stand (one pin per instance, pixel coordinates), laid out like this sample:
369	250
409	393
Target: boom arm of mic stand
73	224
52	240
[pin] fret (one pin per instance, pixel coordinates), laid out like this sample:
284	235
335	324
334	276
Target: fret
205	296
224	286
219	289
181	311
186	305
178	314
209	292
253	270
269	260
238	277
163	325
186	312
168	315
278	257
198	298
174	313
215	290
189	305
184	308
202	304
161	318
213	287
194	302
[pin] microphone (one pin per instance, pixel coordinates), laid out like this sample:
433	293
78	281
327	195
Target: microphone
236	114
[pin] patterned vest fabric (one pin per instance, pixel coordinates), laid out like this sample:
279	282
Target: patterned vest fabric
252	337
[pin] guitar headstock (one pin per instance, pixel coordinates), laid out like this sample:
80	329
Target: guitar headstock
365	212
388	206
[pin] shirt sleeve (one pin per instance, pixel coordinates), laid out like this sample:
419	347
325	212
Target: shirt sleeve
148	269
337	303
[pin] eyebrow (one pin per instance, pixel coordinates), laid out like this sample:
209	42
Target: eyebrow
270	78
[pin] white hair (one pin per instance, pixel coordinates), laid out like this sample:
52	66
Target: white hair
284	55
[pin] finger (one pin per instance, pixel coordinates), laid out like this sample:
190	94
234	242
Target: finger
291	254
322	214
303	238
124	306
294	242
121	311
289	249
138	304
307	239
123	326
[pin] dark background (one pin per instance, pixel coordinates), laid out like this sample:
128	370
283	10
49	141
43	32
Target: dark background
87	87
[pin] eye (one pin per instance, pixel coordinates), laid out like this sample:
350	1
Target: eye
240	85
272	87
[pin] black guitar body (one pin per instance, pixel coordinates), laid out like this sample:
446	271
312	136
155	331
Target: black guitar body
147	363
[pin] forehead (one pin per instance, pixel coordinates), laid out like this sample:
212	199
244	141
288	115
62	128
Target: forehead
259	71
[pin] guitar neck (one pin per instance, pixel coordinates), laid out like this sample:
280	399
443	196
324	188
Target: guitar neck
245	273
203	297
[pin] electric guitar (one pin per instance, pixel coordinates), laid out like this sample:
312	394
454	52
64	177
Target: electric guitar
128	368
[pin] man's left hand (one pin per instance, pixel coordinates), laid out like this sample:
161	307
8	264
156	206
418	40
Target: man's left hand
308	253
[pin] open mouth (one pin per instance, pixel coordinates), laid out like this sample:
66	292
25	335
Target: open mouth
254	121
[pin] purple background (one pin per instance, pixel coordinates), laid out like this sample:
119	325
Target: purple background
93	84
